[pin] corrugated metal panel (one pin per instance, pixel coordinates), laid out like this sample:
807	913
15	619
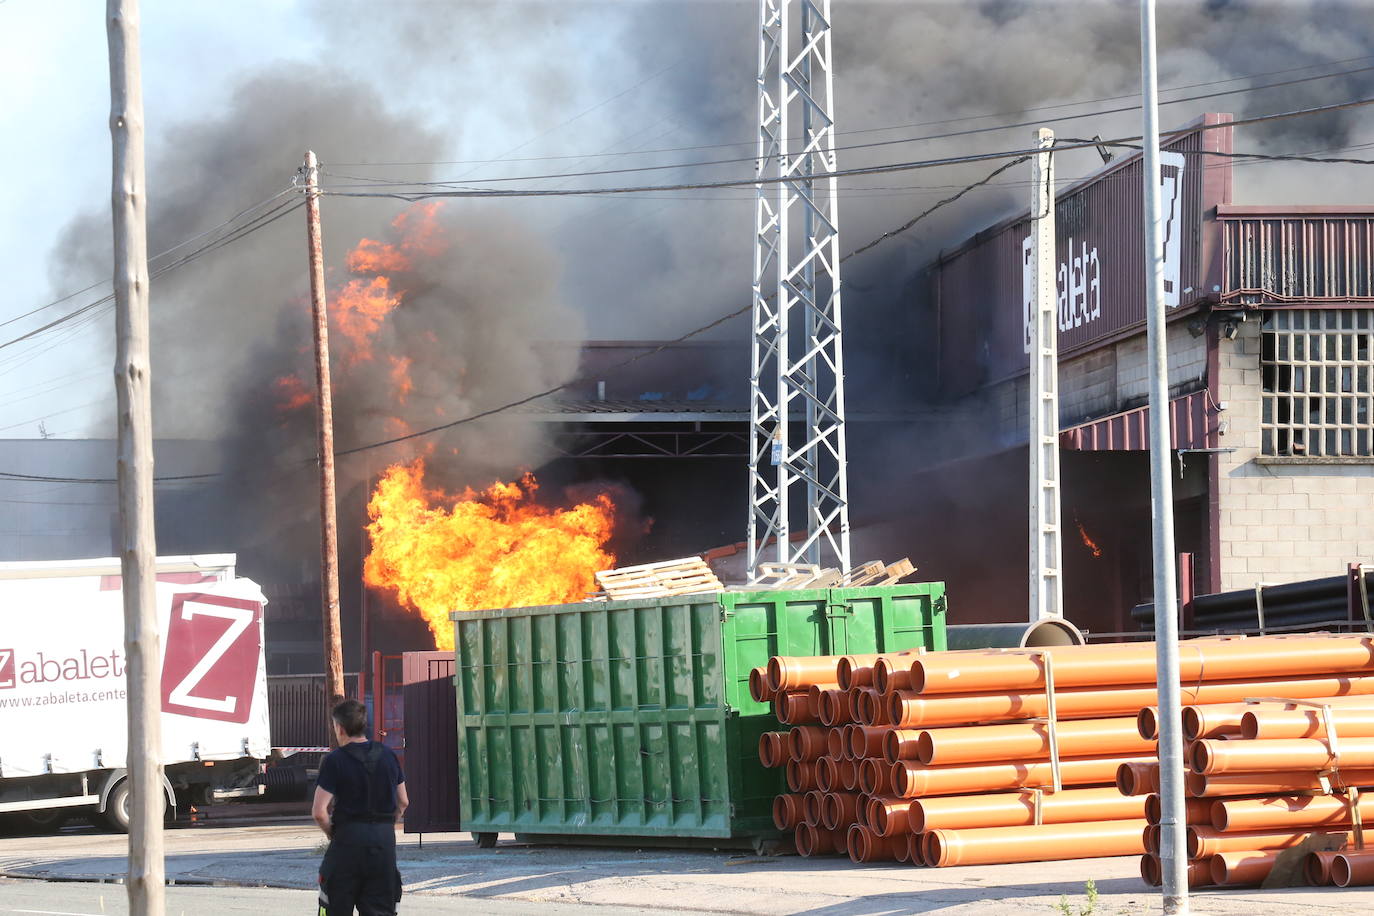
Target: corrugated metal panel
981	289
431	728
296	709
1280	255
1192	419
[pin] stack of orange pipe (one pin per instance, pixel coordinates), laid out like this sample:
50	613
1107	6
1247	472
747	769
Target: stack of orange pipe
951	750
1262	778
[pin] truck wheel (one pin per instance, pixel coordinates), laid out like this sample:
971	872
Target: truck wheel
116	814
48	820
485	840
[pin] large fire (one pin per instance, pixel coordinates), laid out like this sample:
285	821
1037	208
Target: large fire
489	549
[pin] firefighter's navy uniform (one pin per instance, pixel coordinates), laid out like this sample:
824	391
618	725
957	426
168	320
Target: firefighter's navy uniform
359	869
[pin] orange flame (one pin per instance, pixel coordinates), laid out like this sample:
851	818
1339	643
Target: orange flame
291	393
490	549
1088	542
400	377
359	309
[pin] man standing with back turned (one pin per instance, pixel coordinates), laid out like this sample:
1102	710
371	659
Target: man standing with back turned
364	781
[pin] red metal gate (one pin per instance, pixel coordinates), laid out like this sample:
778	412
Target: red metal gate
431	730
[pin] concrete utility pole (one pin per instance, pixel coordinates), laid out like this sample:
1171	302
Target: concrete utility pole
133	389
324	411
1046	554
1173	847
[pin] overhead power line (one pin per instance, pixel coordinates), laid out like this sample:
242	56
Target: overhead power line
882	169
382	182
866	130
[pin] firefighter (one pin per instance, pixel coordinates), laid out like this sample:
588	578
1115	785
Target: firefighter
363	781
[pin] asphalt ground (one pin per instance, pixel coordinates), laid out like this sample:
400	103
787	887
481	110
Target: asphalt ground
271	868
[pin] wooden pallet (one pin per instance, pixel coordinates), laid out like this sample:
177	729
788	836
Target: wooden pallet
807	575
687	576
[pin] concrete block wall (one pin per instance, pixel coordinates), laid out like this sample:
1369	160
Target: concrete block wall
1281	522
1102	382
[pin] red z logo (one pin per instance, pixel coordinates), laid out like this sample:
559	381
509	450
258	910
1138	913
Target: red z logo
6	668
211	664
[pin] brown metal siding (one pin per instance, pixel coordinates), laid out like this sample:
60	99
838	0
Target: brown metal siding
1279	256
431	728
296	709
1099	241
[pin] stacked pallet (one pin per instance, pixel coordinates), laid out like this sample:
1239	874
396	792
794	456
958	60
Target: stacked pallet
687	576
1274	790
996	756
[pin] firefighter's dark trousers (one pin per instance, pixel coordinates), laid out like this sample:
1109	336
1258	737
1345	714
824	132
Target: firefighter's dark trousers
359	871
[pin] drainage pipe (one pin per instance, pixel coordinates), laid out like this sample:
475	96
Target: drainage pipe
1285	812
914	780
1213	756
1351	718
1240	868
1052	631
1208	841
1352	869
1000	845
1017	809
1287	782
1028	741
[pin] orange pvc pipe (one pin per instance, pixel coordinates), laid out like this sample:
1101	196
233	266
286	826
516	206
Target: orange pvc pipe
913	780
793	708
900	744
1150	837
787	672
873	709
832	708
772	751
1352	869
836	743
758	685
1212	721
875	776
855	671
915	848
1270	723
1212	756
817	841
1196	810
827	777
1017	809
847	774
909	709
892	673
865	846
1208	841
811	807
998	845
867	741
1262	658
1240	867
807	742
855	697
840	810
1199	871
1138	778
1285	812
801	777
787	811
888	816
1286	782
813	699
1147	723
1029	741
1317	867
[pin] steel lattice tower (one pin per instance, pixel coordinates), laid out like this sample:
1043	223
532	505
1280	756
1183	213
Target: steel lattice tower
797	366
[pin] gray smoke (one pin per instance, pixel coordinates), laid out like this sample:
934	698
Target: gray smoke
401	89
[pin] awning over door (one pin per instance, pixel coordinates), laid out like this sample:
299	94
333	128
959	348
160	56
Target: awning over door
1192	417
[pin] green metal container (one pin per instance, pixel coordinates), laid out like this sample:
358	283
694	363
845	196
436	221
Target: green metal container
633	718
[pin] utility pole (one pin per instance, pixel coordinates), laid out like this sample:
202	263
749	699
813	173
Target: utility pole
1173	848
1046	554
133	391
324	412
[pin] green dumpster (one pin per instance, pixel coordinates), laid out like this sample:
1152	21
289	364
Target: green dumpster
633	718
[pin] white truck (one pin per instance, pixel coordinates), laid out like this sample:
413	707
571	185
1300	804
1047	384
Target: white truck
63	719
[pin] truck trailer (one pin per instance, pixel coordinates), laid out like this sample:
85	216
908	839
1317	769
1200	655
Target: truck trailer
63	690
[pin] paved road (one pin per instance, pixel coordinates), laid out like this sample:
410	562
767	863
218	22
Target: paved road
42	898
448	874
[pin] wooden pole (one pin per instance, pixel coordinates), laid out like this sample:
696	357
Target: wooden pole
329	535
133	385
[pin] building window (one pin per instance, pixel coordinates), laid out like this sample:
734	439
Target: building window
1316	367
